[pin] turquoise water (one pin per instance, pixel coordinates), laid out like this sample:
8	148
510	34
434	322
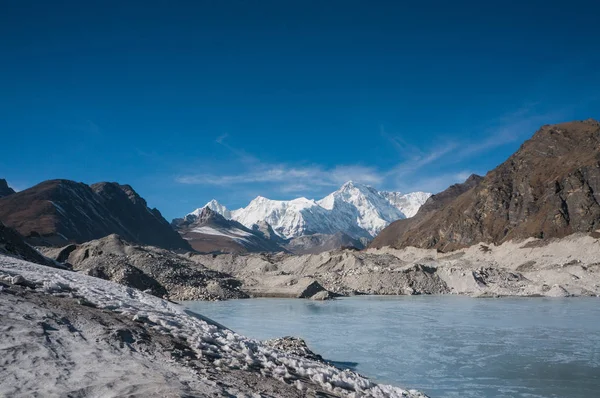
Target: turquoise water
445	346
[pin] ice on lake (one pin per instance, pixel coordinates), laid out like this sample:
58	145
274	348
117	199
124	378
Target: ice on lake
445	346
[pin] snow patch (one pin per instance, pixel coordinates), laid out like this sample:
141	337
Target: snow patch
206	337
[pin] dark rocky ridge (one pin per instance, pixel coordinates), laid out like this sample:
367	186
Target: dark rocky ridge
5	190
57	212
228	236
549	188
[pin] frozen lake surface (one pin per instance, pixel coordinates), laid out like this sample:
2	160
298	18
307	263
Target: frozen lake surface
445	346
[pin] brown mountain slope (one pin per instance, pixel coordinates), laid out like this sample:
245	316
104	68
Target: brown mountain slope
388	236
56	212
549	188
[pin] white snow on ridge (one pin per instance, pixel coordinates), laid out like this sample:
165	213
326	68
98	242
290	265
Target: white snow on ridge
234	233
204	336
214	206
284	216
358	210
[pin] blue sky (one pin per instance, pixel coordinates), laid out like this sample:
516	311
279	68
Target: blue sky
189	101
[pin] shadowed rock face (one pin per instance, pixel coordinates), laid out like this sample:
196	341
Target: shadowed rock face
56	212
549	188
5	190
209	232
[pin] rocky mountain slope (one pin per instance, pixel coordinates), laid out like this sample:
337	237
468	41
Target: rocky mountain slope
356	210
56	212
434	203
208	231
549	188
5	190
157	271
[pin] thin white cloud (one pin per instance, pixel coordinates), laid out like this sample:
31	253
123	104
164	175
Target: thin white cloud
421	160
437	183
510	128
426	169
220	139
404	149
239	153
290	178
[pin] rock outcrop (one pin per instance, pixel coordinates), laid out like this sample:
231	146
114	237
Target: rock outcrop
57	212
158	271
549	188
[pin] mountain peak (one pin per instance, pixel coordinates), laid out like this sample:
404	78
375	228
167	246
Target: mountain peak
356	209
208	214
213	205
260	199
353	185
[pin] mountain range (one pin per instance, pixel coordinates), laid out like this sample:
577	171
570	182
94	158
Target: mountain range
355	210
549	188
57	212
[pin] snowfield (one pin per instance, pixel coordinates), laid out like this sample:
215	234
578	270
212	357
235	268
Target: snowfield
34	364
234	233
357	210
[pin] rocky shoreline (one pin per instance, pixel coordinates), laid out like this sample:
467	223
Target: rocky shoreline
562	267
61	329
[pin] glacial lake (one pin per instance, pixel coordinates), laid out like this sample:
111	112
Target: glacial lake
445	346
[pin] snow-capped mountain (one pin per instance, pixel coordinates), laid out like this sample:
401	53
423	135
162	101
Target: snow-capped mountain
357	210
361	205
214	206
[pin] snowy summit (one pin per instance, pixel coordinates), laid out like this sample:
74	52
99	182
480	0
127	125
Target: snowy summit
358	210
